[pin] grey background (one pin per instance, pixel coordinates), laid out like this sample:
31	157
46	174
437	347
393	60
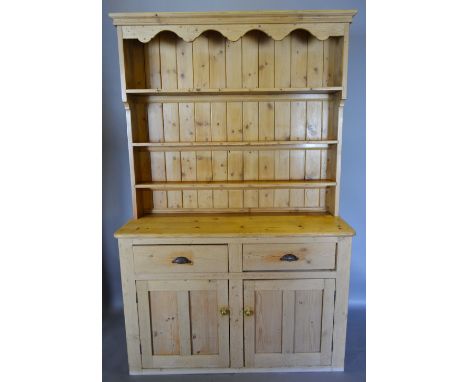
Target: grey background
116	181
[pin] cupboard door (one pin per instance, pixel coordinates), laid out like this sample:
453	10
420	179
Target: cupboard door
288	322
181	325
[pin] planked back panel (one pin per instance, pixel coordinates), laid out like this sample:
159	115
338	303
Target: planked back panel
218	91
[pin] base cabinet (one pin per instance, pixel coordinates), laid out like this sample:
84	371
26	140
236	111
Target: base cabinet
258	306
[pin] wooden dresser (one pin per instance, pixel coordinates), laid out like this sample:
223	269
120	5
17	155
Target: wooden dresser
236	259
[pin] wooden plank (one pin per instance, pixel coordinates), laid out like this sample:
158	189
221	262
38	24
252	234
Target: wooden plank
249	324
135	74
155	122
201	62
187	122
283	62
203	122
266	62
167	42
234	64
217	54
144	324
183	309
235	172
299	42
287	330
189	173
268	320
327	321
204	321
236	325
158	173
165	323
129	294
341	301
250	60
218	121
152	63
234	121
250	158
173	173
184	64
223	322
219	158
314	62
266	117
204	165
308	321
297	160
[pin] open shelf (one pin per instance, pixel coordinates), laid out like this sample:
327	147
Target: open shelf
229	91
240	146
237	185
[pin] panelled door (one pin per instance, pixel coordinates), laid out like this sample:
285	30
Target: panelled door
288	322
183	323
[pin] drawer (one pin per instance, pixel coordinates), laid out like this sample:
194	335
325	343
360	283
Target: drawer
180	258
284	257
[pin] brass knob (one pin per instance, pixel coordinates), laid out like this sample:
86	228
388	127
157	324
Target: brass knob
224	311
248	312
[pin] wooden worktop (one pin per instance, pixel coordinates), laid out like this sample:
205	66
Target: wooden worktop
233	225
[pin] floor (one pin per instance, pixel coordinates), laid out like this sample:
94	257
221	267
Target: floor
115	369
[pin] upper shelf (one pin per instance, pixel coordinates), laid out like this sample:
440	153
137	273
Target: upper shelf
233	25
229	91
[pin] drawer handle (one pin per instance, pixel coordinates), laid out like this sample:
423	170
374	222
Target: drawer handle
181	260
289	257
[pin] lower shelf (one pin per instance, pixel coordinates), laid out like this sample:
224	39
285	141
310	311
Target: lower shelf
234	185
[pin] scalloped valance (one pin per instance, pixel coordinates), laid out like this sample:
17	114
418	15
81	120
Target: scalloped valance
232	32
233	25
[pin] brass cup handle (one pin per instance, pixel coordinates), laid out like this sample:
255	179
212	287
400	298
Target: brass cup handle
224	311
248	312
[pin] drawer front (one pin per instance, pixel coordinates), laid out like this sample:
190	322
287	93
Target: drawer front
180	258
282	257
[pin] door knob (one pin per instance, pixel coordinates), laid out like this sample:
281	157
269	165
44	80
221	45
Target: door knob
224	311
248	312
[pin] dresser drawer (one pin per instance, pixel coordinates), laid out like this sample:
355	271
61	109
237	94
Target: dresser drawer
282	257
180	258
